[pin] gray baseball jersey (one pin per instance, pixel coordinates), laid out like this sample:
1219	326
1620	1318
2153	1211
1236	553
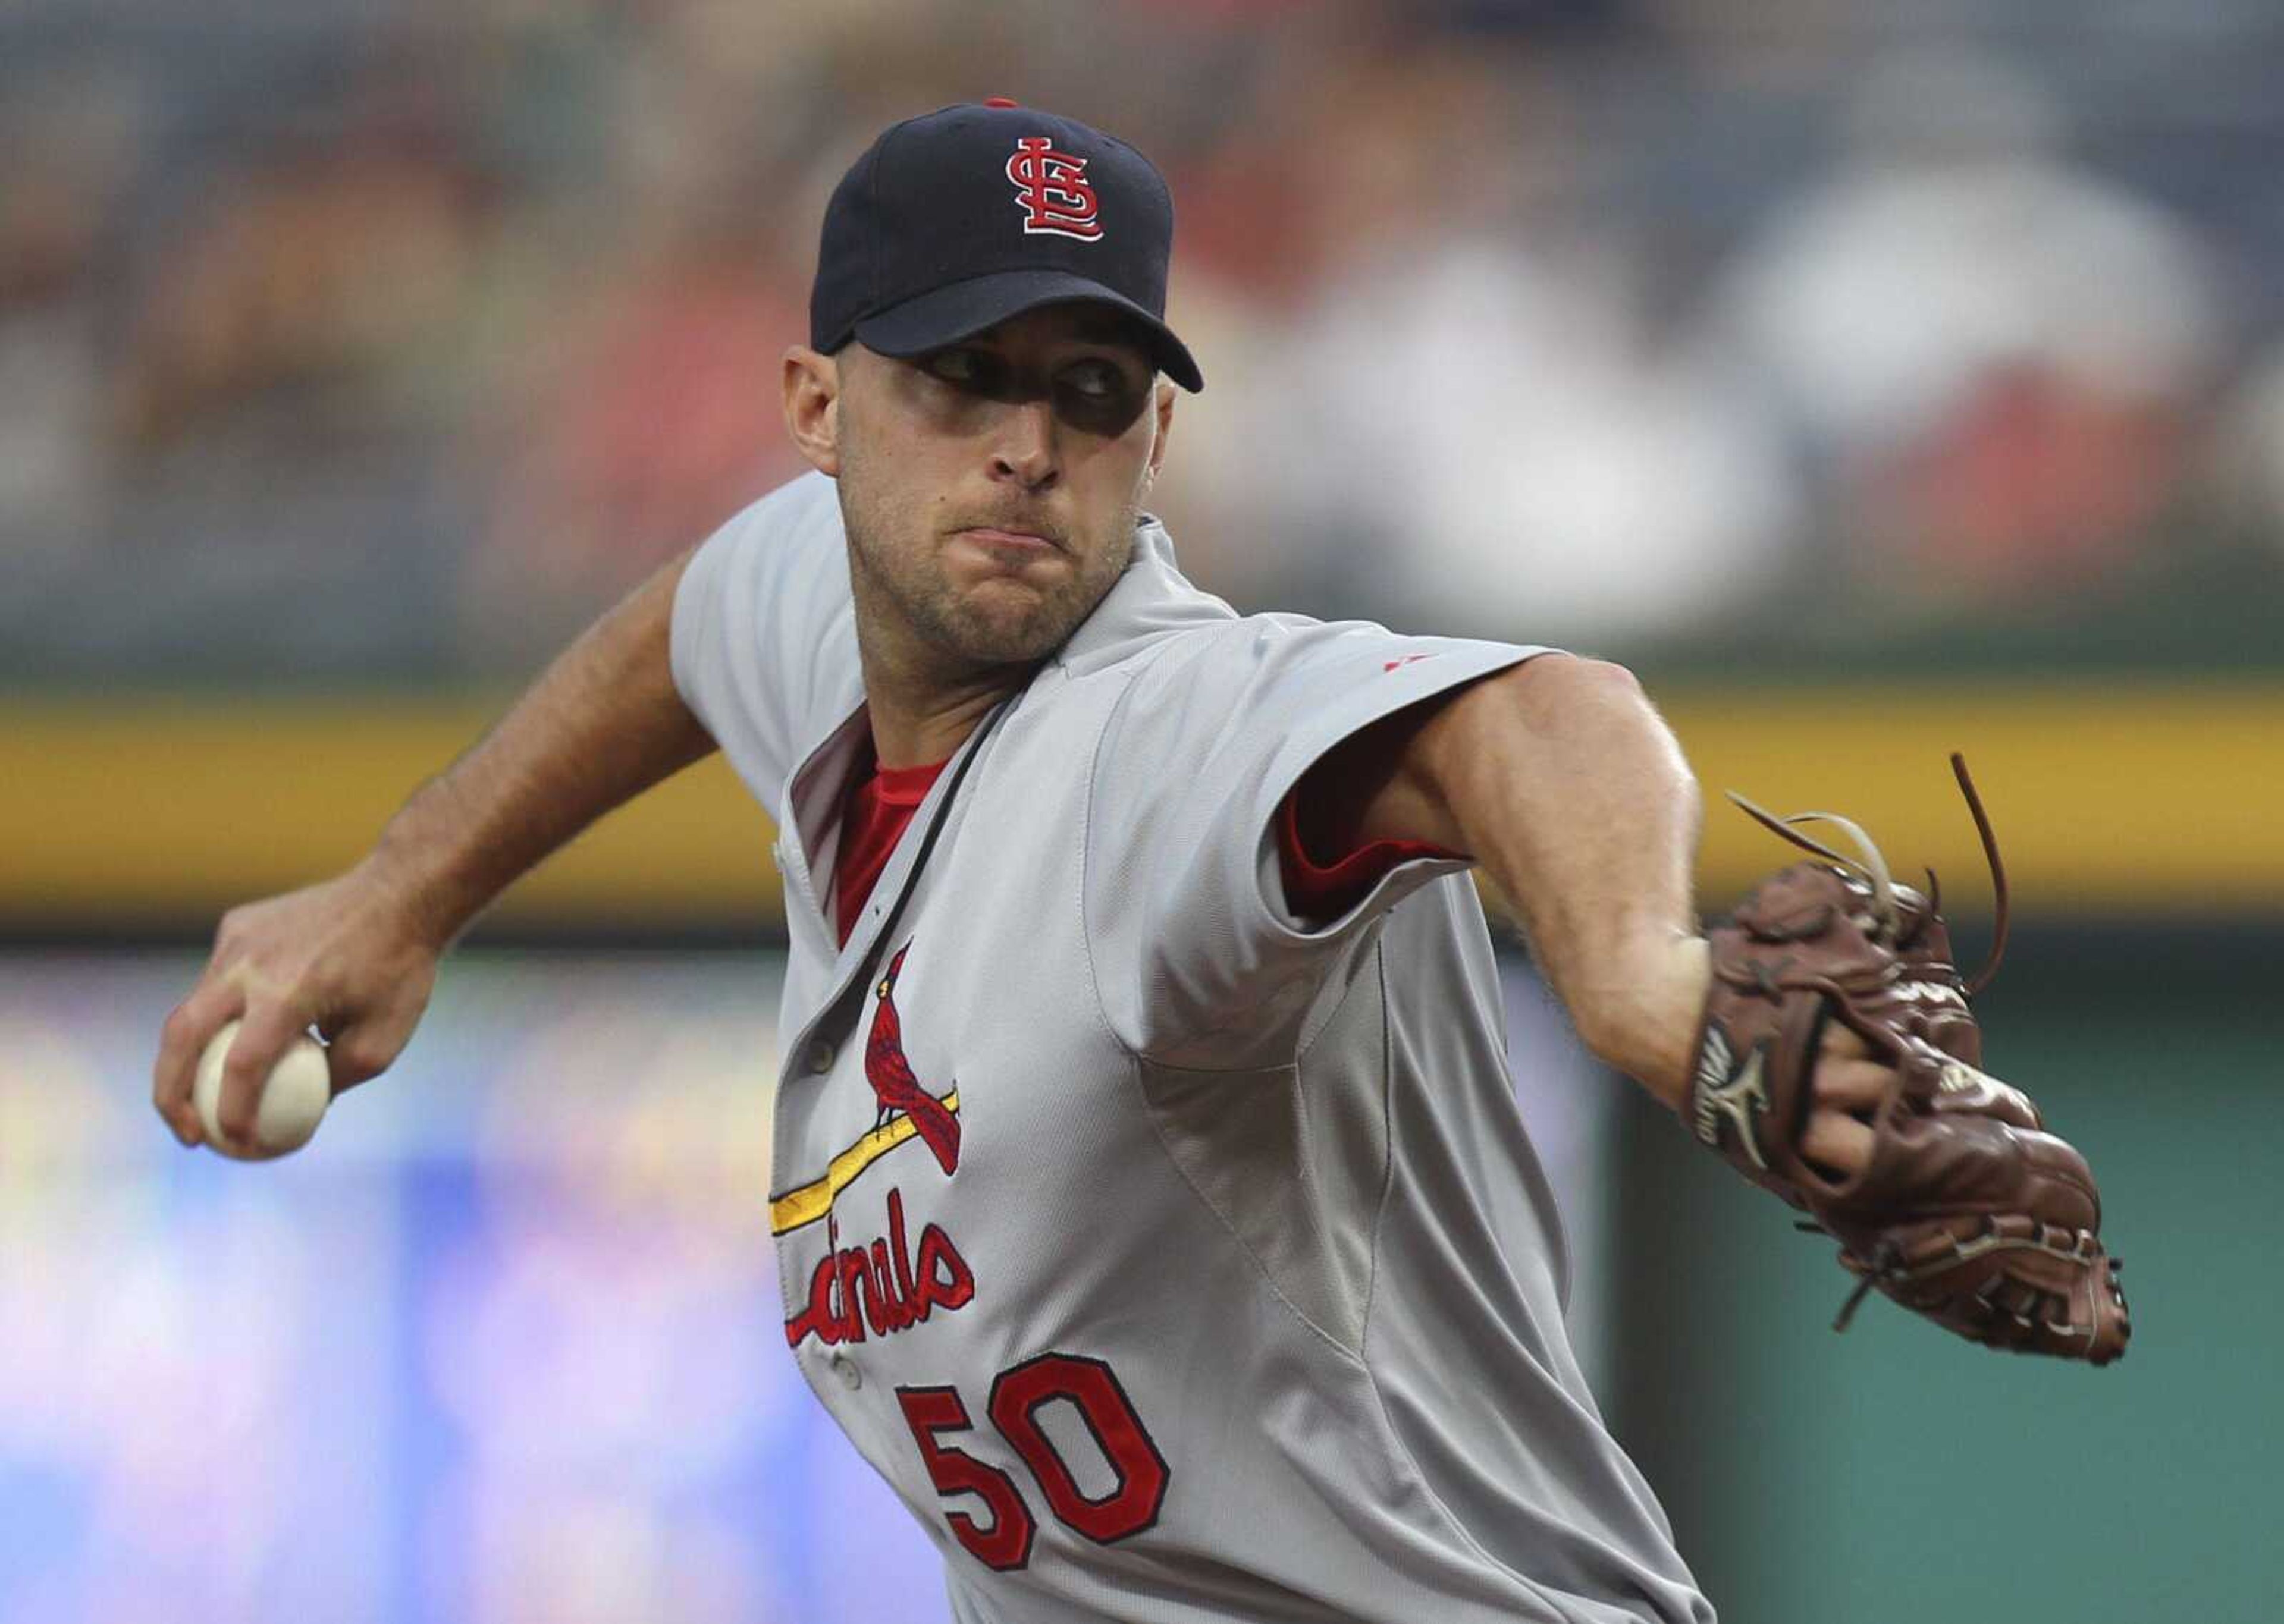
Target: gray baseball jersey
1174	1257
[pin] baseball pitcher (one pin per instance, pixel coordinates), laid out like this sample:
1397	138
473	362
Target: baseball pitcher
1151	1202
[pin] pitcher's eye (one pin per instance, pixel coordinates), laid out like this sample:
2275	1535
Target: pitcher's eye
1095	380
955	366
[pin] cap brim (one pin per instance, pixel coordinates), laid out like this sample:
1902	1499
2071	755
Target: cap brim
946	315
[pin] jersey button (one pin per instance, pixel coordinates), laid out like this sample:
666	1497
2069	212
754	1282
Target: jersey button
820	1057
845	1368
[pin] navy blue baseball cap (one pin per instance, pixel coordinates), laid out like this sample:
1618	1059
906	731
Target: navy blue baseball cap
953	222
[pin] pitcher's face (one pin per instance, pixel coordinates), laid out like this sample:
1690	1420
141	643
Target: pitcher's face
991	488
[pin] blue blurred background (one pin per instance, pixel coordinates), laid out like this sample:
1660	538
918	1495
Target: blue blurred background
1879	380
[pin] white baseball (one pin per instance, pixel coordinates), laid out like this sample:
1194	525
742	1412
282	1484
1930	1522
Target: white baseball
293	1097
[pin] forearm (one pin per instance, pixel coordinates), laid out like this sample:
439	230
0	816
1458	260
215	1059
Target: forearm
1568	789
603	723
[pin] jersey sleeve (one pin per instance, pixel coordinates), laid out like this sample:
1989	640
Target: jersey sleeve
1202	957
763	643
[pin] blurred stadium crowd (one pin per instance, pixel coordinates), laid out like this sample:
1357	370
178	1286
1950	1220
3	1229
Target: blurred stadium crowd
387	340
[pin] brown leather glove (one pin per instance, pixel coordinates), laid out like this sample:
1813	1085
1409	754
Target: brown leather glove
1966	1210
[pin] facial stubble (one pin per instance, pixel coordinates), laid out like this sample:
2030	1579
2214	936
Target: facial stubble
898	570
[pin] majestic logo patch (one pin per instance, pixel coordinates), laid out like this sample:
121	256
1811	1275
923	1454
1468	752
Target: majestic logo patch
1053	190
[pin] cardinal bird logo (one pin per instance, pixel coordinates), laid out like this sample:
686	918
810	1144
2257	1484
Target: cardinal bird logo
892	1080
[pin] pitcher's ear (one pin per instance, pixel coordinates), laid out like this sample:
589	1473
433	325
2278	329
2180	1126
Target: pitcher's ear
1164	408
812	400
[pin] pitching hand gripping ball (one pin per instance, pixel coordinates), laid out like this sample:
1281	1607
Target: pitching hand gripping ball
293	1098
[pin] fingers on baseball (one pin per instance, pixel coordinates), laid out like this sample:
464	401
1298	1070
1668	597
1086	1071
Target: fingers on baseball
261	1041
181	1039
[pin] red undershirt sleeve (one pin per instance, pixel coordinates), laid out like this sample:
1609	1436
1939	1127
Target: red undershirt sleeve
1318	889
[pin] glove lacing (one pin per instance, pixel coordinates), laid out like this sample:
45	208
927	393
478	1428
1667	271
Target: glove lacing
1873	868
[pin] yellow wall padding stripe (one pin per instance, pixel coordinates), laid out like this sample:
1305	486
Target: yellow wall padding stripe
2166	799
812	1200
136	811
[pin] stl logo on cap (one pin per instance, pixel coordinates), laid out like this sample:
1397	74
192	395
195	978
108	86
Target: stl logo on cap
1053	188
